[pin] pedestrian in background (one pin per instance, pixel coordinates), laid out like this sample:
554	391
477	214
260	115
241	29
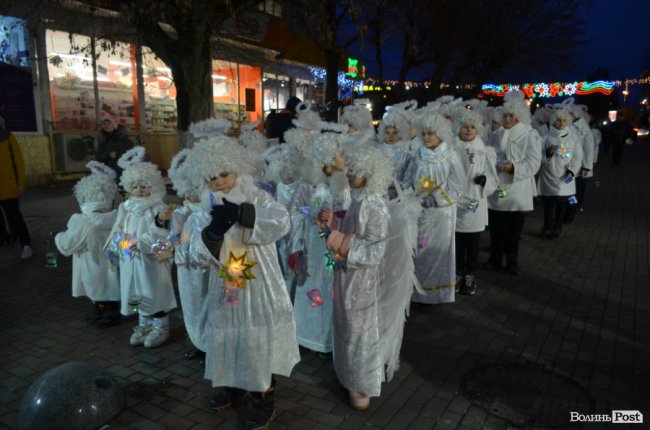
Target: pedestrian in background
112	143
12	185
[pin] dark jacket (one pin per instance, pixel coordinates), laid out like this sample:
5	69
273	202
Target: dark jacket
117	141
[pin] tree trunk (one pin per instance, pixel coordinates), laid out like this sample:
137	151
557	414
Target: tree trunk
332	57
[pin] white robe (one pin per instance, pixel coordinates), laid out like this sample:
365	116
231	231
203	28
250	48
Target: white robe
399	156
193	281
522	146
567	157
477	160
313	320
247	342
357	359
84	239
144	275
435	264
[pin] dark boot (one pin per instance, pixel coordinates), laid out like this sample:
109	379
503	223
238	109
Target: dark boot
227	398
194	353
96	313
494	262
262	411
110	314
512	265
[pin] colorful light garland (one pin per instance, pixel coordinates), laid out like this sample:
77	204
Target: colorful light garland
553	89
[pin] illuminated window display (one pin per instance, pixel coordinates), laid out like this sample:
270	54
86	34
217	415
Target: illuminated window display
236	99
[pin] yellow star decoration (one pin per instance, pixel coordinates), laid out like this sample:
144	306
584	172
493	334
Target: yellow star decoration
237	270
426	184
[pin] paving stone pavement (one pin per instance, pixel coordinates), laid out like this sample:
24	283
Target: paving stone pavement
580	307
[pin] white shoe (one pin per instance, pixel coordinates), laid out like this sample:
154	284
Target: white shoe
26	252
141	331
159	332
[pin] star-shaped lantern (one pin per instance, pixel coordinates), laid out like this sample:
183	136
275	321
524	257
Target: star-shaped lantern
426	184
237	271
122	245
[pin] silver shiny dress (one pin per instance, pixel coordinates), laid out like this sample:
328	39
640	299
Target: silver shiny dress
357	360
250	332
435	264
312	301
141	273
193	281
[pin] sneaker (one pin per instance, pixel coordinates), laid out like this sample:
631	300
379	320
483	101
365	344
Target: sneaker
159	333
358	400
469	289
141	331
460	281
26	252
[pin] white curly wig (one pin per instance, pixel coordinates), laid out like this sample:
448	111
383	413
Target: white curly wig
471	117
368	161
223	154
210	127
398	119
357	116
185	183
514	102
97	187
138	171
253	139
437	123
283	164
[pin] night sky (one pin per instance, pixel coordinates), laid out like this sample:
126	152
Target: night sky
617	33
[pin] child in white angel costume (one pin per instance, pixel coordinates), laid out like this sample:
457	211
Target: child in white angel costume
369	313
84	239
479	162
145	272
250	332
308	255
394	135
439	179
192	281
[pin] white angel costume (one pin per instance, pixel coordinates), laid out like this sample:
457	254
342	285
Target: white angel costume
567	157
249	332
86	234
312	289
477	159
192	281
142	274
439	180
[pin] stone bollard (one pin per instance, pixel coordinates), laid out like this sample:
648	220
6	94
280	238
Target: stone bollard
71	396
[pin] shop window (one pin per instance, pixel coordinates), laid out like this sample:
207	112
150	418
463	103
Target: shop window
276	92
160	94
272	7
14	45
71	83
16	77
232	86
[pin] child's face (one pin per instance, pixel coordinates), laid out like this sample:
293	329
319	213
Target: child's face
223	182
391	135
141	190
351	129
338	164
561	123
467	132
495	125
509	120
356	181
430	139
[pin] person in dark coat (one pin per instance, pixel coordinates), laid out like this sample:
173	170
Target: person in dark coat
112	142
283	120
619	133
